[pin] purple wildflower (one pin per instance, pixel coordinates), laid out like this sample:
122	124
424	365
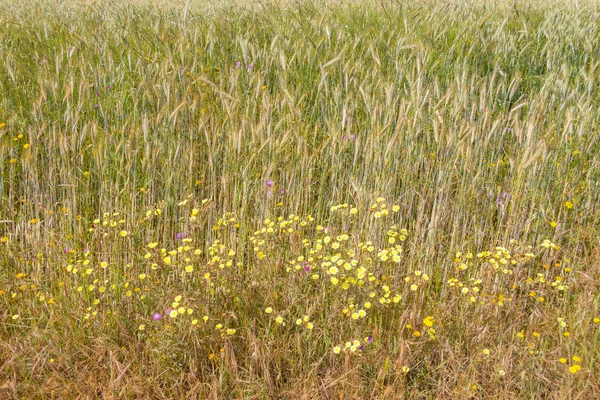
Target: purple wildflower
281	191
269	183
96	105
249	66
108	86
238	64
306	266
269	193
156	316
499	201
369	339
179	235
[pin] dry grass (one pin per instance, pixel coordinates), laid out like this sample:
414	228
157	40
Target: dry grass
235	139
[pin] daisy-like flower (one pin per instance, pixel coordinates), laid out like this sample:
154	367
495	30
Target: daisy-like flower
429	321
574	368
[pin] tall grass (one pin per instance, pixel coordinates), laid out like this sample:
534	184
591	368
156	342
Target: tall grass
478	122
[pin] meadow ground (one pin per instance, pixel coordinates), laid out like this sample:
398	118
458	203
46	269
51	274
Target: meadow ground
299	200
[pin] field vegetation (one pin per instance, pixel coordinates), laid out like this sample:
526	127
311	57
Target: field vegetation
299	200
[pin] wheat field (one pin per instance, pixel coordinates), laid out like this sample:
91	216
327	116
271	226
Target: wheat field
299	200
